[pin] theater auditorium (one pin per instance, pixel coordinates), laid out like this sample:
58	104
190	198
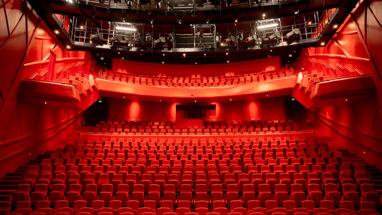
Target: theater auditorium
190	107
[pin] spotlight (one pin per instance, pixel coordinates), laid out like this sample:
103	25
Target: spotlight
249	39
227	61
148	37
236	20
56	32
228	3
310	22
218	37
205	54
208	21
335	26
276	35
160	39
151	21
184	54
158	3
322	43
240	35
82	27
116	38
129	3
170	37
295	31
226	53
68	46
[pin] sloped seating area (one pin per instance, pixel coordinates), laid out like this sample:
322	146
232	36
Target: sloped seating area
299	175
195	80
211	127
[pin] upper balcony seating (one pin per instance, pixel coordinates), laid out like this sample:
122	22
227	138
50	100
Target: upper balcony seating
211	127
195	80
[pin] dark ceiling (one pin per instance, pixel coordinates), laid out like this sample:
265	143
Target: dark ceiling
245	12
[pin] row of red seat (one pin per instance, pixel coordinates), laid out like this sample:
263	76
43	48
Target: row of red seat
197	80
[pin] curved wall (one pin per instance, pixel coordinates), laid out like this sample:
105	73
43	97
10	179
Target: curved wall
271	63
356	46
26	47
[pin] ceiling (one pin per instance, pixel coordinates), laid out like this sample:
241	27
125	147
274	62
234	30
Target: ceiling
241	15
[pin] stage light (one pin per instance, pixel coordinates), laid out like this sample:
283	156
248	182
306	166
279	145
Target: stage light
160	39
116	38
240	35
125	28
170	37
249	38
158	3
267	26
148	37
295	31
218	37
228	3
276	35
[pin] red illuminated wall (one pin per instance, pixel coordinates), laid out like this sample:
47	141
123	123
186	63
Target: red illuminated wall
272	108
357	45
25	46
272	63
